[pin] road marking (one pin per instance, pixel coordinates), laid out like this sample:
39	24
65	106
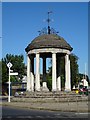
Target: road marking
83	113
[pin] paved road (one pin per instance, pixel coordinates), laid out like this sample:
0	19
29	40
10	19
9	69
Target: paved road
13	113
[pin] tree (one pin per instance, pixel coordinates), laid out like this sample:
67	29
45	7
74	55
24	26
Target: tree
49	82
0	72
74	69
18	66
4	72
62	69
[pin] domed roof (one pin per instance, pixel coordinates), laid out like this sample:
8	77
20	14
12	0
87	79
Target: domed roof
48	41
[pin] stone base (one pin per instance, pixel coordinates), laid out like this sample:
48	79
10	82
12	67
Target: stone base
54	90
44	87
67	90
38	90
58	90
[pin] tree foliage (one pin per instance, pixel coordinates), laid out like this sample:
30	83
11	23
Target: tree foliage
4	72
49	82
18	66
74	69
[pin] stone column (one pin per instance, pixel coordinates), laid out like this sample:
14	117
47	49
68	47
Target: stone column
44	69
28	73
58	75
67	74
44	87
32	74
37	82
53	71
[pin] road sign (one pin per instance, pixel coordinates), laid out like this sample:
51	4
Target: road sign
14	73
9	65
11	70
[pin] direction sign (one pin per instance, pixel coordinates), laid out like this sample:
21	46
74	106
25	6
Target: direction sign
14	73
11	70
9	65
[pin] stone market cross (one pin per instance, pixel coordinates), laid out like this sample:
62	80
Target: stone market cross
48	45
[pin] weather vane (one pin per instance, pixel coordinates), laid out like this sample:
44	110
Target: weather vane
49	30
49	20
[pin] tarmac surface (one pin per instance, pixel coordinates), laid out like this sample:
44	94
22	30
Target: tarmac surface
44	110
78	106
15	112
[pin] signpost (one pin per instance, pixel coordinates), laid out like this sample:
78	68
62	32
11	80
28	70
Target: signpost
14	73
9	65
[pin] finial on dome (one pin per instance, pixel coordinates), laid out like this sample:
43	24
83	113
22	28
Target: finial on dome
48	21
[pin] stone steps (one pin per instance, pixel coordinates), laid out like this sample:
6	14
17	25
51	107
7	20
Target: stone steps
21	99
50	97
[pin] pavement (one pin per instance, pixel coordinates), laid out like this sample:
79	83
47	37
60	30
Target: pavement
82	106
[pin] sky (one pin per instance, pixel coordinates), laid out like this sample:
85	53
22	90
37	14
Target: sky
0	30
45	0
23	20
